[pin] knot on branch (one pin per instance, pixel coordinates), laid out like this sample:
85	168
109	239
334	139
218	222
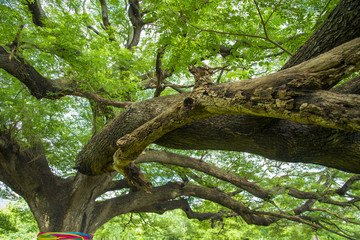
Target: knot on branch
136	177
202	75
188	103
132	173
125	141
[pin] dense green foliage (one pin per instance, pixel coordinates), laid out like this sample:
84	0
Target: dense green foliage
17	222
64	126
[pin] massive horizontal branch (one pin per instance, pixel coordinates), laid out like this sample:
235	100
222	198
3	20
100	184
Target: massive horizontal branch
276	95
327	109
278	92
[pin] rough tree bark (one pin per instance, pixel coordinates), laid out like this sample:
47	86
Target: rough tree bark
291	94
69	204
272	138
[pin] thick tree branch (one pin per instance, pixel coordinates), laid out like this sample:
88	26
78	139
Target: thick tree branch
38	85
352	86
183	204
327	37
38	14
347	186
269	96
137	22
105	18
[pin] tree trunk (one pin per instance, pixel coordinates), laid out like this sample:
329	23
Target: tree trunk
58	204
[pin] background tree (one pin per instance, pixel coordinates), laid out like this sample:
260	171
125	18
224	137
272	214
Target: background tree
122	75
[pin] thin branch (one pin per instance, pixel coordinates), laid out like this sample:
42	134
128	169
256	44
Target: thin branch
177	86
16	40
292	218
237	34
274	9
335	232
94	30
99	99
184	161
324	9
262	20
243	35
334	214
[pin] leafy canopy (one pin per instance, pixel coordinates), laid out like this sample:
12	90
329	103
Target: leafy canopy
253	38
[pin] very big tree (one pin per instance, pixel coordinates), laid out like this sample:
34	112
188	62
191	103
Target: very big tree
92	84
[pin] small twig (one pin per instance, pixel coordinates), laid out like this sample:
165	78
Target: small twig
273	12
324	9
334	214
292	218
130	221
335	232
16	40
242	35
